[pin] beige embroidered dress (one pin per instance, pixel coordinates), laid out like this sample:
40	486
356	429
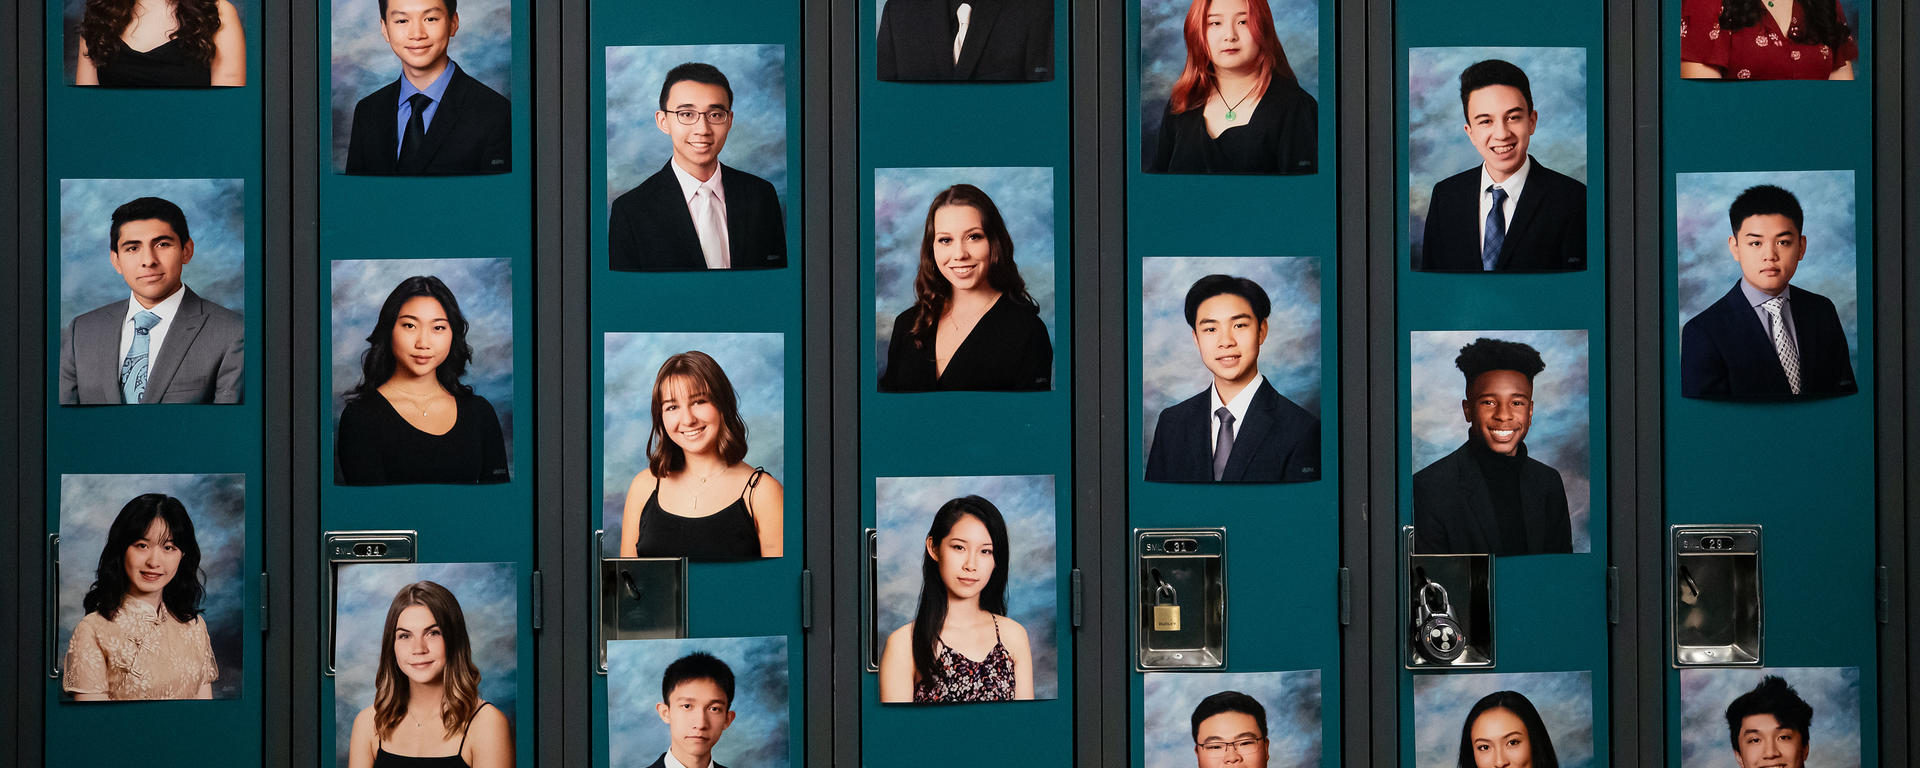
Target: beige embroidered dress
141	653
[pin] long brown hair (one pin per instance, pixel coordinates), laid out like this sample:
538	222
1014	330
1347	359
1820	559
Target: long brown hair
462	678
931	290
104	20
1197	79
697	372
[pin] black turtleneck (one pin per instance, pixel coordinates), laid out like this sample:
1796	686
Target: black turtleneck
1502	474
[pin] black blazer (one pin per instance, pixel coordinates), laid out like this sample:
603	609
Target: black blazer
1725	353
661	762
471	133
1007	351
1548	232
1007	40
1278	443
650	227
1453	512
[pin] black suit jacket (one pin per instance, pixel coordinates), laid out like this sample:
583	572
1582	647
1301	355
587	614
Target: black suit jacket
1453	512
1724	352
1548	232
471	133
1278	443
650	227
661	762
1007	40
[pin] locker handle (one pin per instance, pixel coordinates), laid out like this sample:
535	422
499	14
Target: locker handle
872	577
599	607
53	607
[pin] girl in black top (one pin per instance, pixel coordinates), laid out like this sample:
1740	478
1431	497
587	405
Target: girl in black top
1237	107
694	463
972	324
161	44
410	420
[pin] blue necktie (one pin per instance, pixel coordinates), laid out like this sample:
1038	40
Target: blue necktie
1496	229
1223	448
133	370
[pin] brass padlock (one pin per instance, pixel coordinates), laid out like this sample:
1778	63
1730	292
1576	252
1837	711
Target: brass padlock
1166	607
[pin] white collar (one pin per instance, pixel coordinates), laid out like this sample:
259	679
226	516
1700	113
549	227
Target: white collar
1238	406
166	309
1513	185
689	184
674	762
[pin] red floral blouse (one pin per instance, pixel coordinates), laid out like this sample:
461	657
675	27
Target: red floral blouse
1759	52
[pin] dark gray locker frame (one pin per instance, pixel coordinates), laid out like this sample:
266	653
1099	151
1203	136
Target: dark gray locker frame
1897	365
22	707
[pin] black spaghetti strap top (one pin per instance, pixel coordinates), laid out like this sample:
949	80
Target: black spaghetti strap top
166	66
385	759
730	534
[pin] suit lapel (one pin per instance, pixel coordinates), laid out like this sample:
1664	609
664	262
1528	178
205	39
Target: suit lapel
444	117
184	327
100	356
1524	213
1473	489
1754	340
1248	437
683	242
979	24
737	217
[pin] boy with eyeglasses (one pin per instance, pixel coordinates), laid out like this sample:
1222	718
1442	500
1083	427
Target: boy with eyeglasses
1230	728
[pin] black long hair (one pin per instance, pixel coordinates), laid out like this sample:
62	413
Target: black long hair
1538	742
932	614
104	20
377	364
183	594
1824	25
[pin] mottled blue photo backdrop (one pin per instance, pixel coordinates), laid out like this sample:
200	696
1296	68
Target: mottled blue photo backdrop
759	735
1833	692
904	507
1437	143
1561	435
363	62
1171	367
1292	701
1564	700
216	211
900	199
756	140
754	362
72	11
1831	267
1163	53
218	506
489	599
484	289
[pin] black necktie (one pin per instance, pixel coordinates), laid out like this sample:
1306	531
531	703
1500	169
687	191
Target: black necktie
415	140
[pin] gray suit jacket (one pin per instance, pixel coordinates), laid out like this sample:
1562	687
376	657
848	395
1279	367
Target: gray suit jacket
200	363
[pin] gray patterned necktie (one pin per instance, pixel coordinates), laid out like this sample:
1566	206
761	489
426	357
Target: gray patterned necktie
133	370
1223	448
1783	344
1496	229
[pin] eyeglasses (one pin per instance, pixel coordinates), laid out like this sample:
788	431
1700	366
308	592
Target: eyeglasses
1219	748
715	116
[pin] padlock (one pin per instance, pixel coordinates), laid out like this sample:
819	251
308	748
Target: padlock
1166	607
1436	635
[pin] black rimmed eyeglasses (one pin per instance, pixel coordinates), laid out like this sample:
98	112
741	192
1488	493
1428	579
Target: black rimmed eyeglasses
1219	748
716	116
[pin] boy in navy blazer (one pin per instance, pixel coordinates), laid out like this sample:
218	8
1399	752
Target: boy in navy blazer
1241	429
1765	338
435	119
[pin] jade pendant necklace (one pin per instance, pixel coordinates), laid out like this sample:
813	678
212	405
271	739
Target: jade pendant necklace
1236	105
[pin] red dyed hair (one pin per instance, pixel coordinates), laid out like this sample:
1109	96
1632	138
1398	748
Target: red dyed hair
1197	79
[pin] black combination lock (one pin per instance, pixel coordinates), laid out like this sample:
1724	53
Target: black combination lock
1436	635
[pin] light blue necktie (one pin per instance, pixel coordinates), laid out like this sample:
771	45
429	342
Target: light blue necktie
1496	229
133	370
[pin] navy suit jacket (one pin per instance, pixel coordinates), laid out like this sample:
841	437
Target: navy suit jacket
1724	351
1007	40
661	762
1278	443
471	132
1548	232
1453	512
650	227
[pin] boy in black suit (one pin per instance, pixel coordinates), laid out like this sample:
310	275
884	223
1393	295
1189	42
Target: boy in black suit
1510	214
696	703
1489	496
1241	429
977	40
436	119
696	213
1765	338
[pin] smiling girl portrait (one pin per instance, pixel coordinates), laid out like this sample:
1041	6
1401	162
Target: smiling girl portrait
144	635
427	709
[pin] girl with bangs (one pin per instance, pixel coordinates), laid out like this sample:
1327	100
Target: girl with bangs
427	711
960	646
1237	107
161	44
144	635
683	504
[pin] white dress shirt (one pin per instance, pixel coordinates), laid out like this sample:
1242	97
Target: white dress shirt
1238	407
1513	186
156	336
690	186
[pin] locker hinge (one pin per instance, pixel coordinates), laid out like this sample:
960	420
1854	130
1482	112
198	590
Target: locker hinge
1346	596
537	602
1613	595
806	599
1880	596
266	616
1074	591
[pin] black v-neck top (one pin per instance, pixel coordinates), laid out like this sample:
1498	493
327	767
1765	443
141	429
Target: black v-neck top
374	445
1282	136
166	66
1008	350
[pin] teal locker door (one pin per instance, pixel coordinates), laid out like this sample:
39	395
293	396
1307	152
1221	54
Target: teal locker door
1548	292
475	233
200	148
745	612
920	449
1815	508
1271	221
